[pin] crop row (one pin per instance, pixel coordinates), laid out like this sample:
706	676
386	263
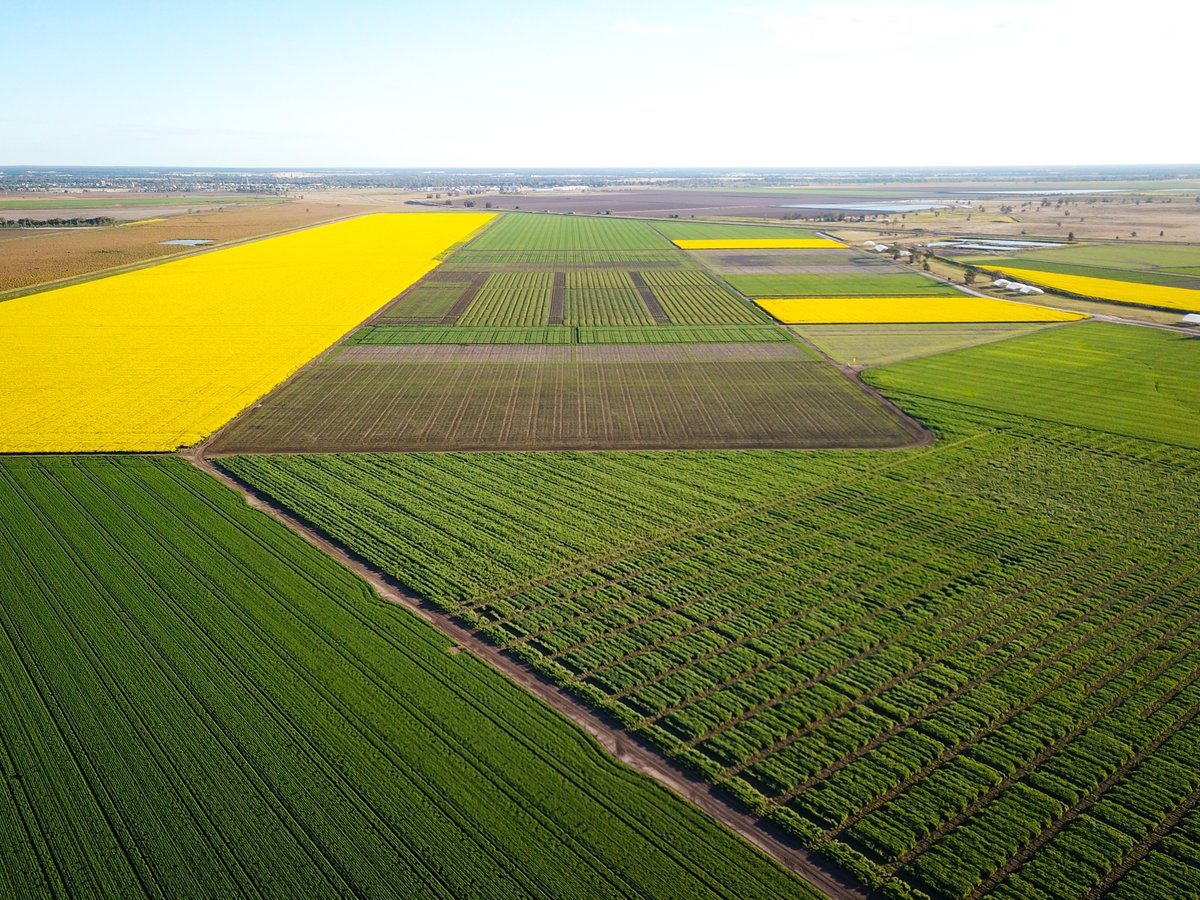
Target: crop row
880	655
198	702
695	298
511	299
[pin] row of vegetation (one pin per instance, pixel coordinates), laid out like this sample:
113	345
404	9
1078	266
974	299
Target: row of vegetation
959	670
197	702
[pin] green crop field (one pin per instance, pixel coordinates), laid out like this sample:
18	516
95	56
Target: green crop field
966	669
899	283
532	231
599	396
680	230
511	298
1134	381
427	301
195	702
560	334
695	298
603	297
881	345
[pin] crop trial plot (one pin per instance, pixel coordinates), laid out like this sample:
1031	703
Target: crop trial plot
616	396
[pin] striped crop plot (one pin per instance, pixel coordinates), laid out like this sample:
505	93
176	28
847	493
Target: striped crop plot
693	297
158	358
966	669
512	299
588	396
196	702
603	297
879	310
583	334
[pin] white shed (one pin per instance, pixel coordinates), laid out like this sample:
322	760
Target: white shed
1001	282
1191	319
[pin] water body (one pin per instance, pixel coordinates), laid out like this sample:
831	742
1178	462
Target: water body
867	207
185	242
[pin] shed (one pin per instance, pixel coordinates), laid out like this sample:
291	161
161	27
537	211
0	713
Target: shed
1191	319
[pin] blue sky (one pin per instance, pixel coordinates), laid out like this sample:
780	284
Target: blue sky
301	84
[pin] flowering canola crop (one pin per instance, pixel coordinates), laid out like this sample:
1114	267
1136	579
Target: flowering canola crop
759	244
1110	289
161	357
882	310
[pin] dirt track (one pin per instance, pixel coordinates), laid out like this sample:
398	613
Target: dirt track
625	747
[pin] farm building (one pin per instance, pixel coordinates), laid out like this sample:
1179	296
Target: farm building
1191	319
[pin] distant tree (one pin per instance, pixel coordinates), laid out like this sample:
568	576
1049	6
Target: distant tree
1161	233
925	264
1070	236
970	275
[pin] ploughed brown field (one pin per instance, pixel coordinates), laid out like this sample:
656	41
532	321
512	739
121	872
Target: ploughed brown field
616	397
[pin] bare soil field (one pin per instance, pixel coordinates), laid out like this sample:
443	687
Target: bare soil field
347	404
663	203
33	257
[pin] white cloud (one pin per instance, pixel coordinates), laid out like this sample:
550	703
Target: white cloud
652	30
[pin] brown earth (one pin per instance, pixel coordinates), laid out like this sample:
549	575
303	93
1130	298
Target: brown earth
38	257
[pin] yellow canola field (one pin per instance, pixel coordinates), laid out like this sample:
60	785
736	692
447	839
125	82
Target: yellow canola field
885	310
161	357
1109	289
760	244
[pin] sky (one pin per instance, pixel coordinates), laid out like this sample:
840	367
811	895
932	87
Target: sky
600	84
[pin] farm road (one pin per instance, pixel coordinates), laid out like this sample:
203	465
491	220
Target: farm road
627	748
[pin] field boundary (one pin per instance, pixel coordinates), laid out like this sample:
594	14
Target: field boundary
630	750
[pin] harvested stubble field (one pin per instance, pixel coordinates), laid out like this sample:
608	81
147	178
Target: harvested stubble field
620	396
196	702
878	310
35	256
791	262
159	358
966	669
881	345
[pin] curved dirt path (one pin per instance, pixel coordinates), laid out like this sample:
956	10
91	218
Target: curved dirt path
628	749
